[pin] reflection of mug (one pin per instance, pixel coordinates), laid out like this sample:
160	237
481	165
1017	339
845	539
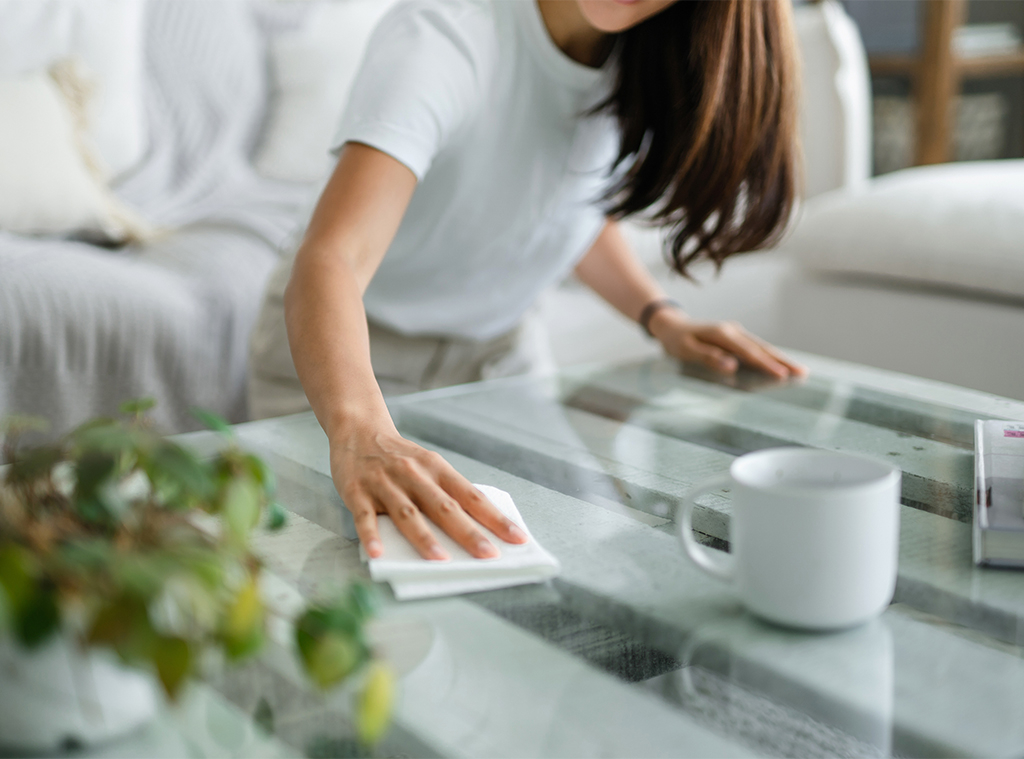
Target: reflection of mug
734	664
815	536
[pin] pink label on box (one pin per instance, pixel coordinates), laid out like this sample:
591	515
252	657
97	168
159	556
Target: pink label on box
1013	433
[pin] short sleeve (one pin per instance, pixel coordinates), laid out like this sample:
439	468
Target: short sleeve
420	80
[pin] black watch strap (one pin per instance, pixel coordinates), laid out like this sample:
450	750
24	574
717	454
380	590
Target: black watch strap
652	308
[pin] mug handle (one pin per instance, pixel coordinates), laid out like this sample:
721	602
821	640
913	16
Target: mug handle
716	563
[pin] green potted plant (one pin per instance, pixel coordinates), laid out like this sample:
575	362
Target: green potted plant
125	560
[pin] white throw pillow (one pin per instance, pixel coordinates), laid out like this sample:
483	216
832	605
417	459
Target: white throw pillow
47	185
107	37
955	225
312	71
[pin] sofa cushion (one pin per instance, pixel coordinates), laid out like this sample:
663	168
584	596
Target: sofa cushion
85	328
106	35
48	180
955	226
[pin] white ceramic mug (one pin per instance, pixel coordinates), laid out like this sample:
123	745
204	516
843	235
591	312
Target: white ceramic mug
814	536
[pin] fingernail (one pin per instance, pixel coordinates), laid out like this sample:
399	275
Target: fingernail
486	549
374	548
436	553
516	534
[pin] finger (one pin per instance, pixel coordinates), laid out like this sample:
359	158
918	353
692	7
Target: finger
447	514
750	352
795	368
480	508
410	522
416	479
365	517
710	355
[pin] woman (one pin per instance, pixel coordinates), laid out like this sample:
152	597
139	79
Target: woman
489	148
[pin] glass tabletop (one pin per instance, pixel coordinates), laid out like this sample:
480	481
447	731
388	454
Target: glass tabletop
631	650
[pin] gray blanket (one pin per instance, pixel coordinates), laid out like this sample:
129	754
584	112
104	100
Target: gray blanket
83	328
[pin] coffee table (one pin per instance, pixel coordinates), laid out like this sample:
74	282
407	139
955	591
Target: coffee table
633	651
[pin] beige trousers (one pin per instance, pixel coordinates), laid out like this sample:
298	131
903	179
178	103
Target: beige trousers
401	364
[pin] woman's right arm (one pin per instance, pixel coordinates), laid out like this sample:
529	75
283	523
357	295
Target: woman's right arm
375	470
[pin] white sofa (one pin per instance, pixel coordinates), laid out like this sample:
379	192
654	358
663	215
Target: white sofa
920	271
223	164
198	155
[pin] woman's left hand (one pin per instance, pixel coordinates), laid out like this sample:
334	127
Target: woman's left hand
721	346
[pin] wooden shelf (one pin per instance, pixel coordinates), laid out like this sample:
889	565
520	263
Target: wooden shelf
937	74
991	65
1006	64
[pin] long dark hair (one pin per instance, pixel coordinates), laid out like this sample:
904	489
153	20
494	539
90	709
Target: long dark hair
706	100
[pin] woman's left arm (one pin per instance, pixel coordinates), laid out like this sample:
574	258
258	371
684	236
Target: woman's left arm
613	271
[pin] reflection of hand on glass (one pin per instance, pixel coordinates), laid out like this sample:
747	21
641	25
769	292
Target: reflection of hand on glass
749	380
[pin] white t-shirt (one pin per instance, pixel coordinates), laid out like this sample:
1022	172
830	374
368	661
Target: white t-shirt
475	98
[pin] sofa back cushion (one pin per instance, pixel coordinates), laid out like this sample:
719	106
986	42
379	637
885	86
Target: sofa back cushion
955	226
835	116
312	69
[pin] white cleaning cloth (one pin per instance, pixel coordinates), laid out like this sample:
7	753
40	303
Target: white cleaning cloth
412	576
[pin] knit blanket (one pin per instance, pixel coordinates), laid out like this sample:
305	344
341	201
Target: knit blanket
83	328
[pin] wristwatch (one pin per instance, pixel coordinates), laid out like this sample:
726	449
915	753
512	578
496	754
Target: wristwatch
652	308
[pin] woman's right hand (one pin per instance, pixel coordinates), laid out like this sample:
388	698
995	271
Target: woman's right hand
380	472
375	470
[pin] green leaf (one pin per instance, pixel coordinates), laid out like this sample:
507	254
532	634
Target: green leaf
320	620
34	464
143	574
94	511
212	421
32	608
18	570
277	516
103	435
93	470
331	658
206	564
173	660
362	601
374	704
84	557
264	716
90	424
16	425
243	623
245	645
123	624
37	619
260	472
241	507
178	475
108	436
137	406
6	612
330	642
